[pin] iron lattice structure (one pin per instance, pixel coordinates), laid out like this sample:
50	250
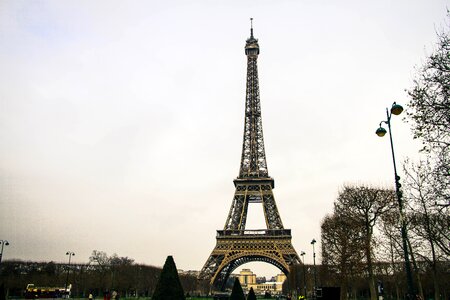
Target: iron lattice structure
235	245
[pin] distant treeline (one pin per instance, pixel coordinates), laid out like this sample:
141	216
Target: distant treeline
126	277
137	280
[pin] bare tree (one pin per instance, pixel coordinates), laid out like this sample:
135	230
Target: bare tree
120	270
341	250
429	113
102	267
390	249
428	223
100	258
364	205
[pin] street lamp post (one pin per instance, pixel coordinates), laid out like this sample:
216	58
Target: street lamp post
70	254
397	109
3	243
302	254
315	270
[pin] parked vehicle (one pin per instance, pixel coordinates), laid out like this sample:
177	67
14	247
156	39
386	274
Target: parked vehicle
34	292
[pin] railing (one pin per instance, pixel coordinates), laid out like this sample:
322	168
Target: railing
258	232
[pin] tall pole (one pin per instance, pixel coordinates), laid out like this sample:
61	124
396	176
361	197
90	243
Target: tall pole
302	255
70	253
315	270
4	243
396	109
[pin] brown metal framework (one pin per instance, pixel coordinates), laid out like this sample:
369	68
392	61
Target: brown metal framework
236	245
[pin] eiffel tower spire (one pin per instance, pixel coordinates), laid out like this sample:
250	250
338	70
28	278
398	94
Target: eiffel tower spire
253	173
253	160
235	244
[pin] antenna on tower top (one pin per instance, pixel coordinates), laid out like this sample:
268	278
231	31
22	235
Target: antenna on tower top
251	27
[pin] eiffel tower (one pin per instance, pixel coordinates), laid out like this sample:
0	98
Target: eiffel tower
235	245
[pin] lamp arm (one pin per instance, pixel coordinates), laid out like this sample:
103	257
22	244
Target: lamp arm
385	122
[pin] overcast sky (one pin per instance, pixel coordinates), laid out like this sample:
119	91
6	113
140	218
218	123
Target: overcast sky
121	122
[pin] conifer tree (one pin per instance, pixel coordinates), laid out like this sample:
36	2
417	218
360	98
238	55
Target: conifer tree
251	295
237	293
169	285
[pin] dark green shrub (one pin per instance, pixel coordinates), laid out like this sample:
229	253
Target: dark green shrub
237	293
169	285
251	295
